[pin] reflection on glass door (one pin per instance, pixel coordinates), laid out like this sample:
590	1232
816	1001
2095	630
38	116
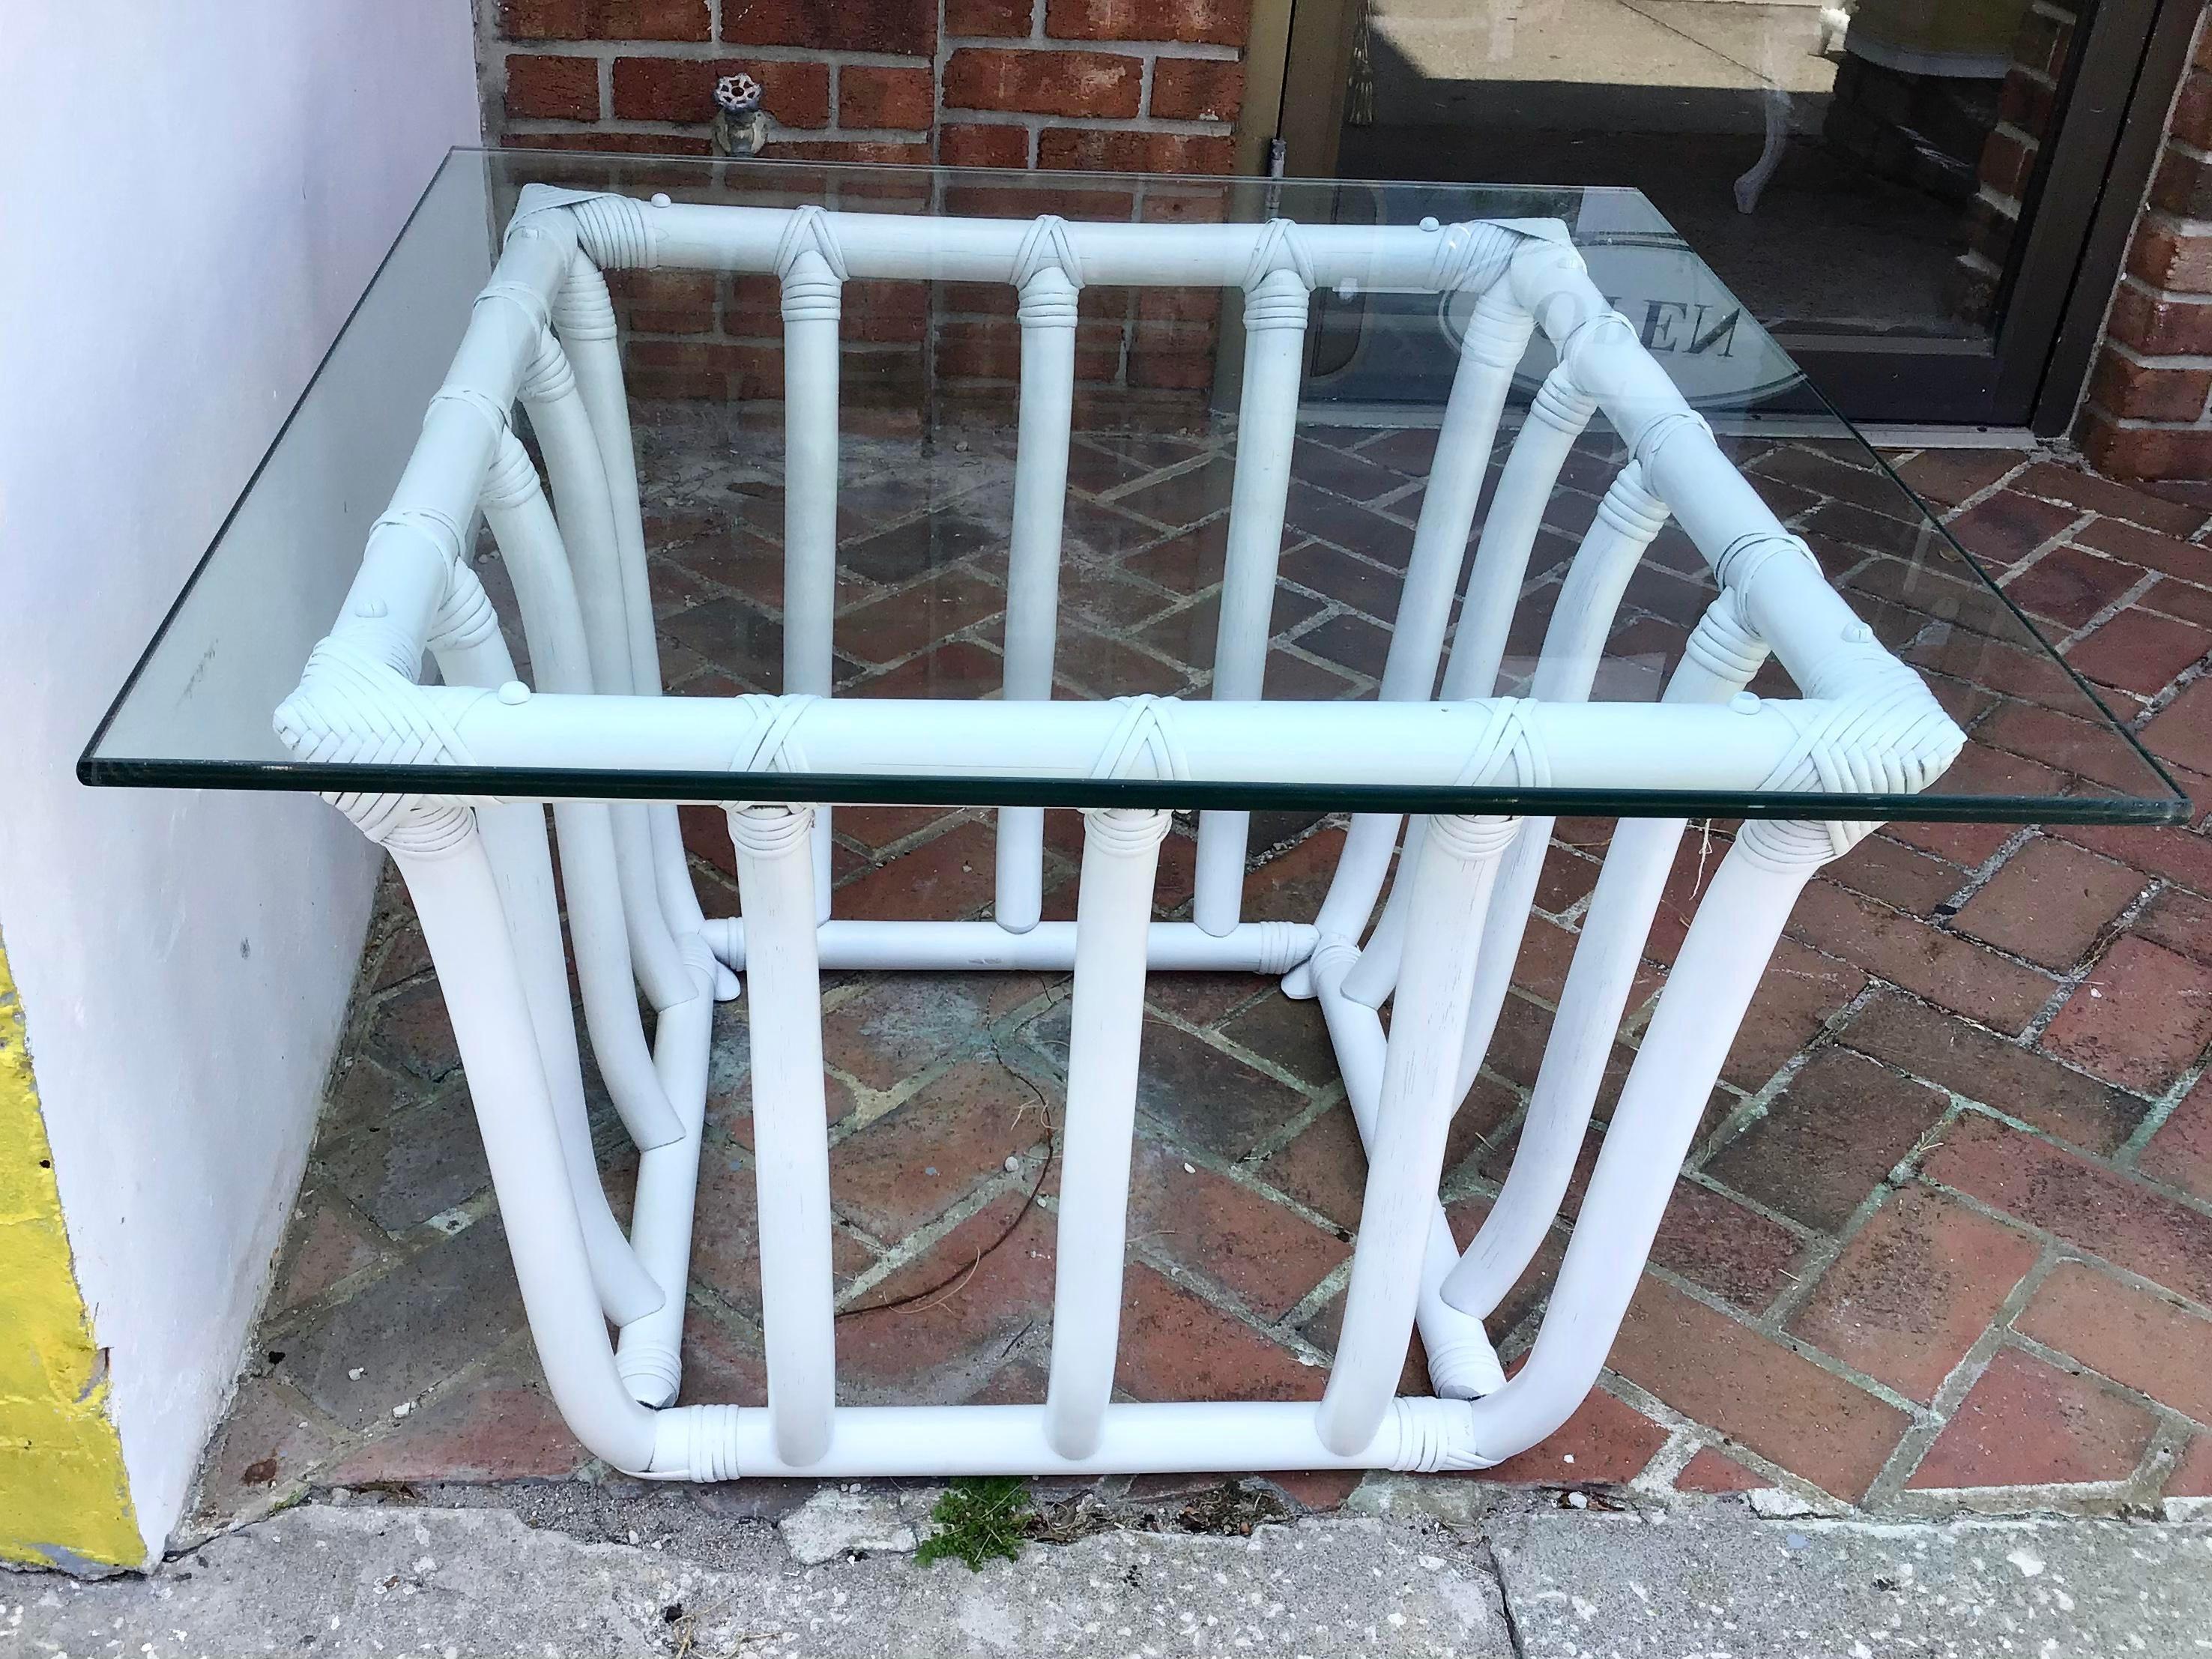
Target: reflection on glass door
1859	172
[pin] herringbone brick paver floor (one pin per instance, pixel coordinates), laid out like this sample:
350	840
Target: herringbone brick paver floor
1945	1238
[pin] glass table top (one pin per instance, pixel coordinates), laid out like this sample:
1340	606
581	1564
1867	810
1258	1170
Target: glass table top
928	414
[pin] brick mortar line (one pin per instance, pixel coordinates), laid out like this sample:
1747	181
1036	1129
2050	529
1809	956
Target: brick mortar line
550	126
2170	1416
939	54
2172	616
2066	1247
1803	1234
1834	1033
519	1346
2136	284
2161	1457
1660	1471
1268	1068
489	70
1920	1437
2170	1097
1829	1248
1119	504
1466	1178
891	851
1757	1103
1036	121
694	52
2129	599
1308	1307
1112	496
702	1299
1467	1182
2136	424
1571	918
1320	1102
1657	1474
701	1303
1320	1099
2177	224
1359	684
872	1105
2181	146
1388	499
2036	555
2068	979
2142	1484
900	1253
974	633
395	1253
2036	1023
1214	1294
912	1246
463	1379
2166	697
2129	1151
1946	517
300	1402
1679	1423
438	1094
2175	359
1980	876
1245	1171
608	47
2072	980
1203	51
1713	1302
1517	1339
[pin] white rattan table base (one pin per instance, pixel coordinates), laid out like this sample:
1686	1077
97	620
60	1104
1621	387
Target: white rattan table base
481	871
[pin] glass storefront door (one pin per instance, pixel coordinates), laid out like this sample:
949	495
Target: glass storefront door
1898	190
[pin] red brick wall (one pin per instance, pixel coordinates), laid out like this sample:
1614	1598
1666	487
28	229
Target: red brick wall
1137	85
2025	103
1147	86
2148	411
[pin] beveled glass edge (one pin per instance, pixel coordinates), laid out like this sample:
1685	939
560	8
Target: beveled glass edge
1928	512
524	783
94	770
89	761
1035	177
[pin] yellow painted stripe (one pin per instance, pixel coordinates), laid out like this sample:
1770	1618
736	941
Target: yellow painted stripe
64	1499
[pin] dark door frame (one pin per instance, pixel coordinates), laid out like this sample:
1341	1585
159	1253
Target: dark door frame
2080	205
2144	104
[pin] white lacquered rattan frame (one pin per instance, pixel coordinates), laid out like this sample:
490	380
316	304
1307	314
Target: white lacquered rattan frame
481	871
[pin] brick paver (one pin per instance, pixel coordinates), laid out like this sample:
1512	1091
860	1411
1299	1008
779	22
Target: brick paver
2147	1341
2029	1422
1946	1237
1915	1289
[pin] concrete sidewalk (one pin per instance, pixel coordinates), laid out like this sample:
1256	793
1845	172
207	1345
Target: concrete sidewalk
572	1570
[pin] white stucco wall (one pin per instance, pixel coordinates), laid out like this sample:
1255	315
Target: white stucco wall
196	192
